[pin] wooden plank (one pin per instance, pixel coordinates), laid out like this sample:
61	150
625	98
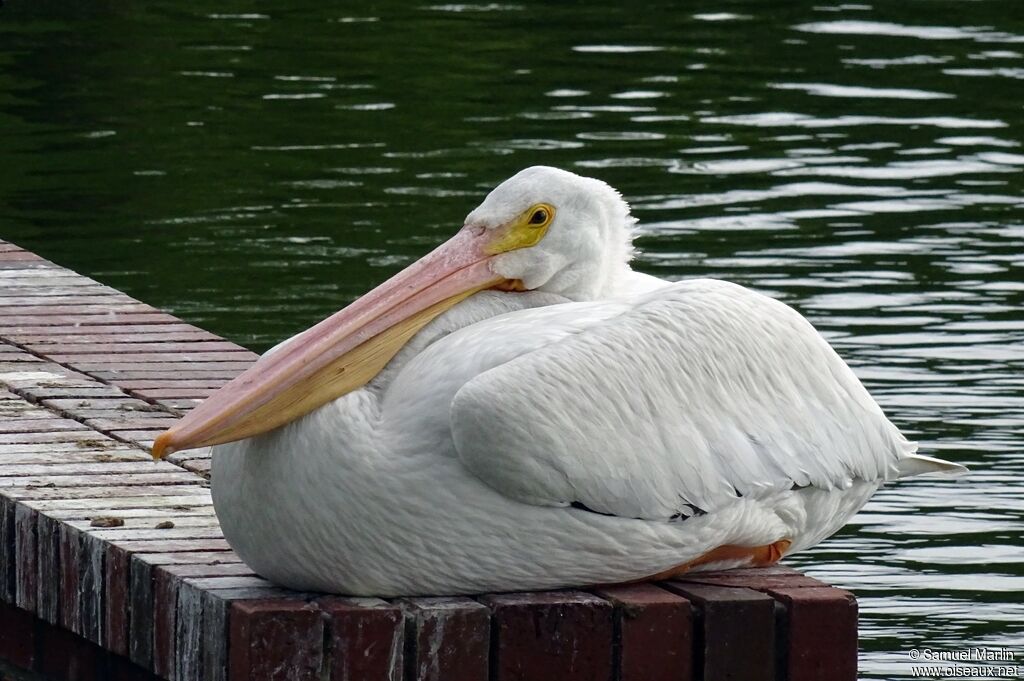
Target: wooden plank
214	626
760	579
557	634
735	631
171	368
133	422
86	339
26	557
175	393
133	358
103	332
61	311
88	438
65	302
63	483
182	500
46	425
268	636
116	630
86	289
21	267
134	319
89	391
125	347
155	524
19	409
820	625
105	494
8	550
366	638
654	633
121	403
48	571
447	639
18	256
71	457
68	582
151	383
143	372
200	511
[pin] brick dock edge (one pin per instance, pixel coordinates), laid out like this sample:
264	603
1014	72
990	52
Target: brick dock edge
114	567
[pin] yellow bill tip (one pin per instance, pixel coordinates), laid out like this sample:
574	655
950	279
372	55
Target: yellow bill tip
162	446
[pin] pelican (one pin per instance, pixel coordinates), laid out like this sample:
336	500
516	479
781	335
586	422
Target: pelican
520	410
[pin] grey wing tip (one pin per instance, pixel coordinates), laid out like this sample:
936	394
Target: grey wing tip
916	464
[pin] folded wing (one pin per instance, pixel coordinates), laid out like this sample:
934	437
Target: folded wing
698	393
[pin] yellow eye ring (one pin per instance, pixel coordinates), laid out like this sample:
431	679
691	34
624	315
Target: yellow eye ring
538	218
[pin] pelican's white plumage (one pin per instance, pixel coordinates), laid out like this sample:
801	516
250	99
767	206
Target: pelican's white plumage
602	427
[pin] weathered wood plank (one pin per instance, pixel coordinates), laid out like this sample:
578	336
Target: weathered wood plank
26	558
272	635
736	631
124	348
8	550
366	638
654	633
110	333
820	633
559	634
447	639
134	358
98	319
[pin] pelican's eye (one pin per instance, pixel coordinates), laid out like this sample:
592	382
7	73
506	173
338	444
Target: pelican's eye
525	230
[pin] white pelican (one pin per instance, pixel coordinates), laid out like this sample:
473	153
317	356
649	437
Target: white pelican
520	410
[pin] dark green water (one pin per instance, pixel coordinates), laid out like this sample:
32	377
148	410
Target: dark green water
254	167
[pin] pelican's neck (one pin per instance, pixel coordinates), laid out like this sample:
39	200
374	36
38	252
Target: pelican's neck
597	251
472	310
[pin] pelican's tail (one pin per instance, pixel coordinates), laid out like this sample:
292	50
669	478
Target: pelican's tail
915	464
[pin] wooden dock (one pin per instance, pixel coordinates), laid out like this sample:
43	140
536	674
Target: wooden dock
113	566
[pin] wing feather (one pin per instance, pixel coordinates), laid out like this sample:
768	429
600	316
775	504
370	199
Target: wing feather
699	392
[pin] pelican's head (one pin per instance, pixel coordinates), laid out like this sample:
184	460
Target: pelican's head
543	229
557	232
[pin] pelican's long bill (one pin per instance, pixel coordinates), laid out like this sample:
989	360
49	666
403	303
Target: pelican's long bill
343	352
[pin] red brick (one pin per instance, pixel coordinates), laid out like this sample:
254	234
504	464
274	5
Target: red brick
655	633
736	633
449	639
565	635
275	639
821	633
366	637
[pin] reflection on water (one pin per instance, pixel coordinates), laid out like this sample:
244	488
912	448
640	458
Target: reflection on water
253	172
